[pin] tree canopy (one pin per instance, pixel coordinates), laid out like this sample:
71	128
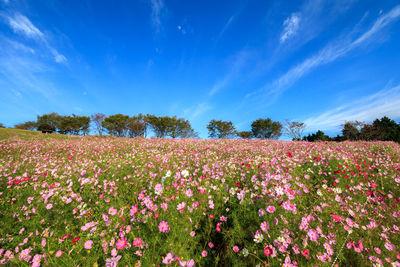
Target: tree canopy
221	129
266	129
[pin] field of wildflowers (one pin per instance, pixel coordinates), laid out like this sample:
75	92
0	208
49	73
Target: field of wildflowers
94	201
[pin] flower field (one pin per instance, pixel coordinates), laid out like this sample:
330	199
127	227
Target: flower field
94	201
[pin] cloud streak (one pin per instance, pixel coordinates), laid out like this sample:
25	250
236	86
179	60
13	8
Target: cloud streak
157	7
291	25
326	55
239	62
383	103
20	24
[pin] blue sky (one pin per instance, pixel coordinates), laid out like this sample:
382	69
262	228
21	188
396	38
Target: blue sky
320	62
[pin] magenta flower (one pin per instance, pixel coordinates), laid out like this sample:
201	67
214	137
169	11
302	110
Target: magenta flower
204	254
163	227
271	209
137	242
121	243
235	249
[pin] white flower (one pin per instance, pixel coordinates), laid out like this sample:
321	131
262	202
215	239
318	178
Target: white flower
324	186
319	193
168	174
258	238
185	173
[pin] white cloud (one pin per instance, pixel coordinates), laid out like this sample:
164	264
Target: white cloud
238	63
291	25
383	103
226	26
157	7
194	112
20	24
326	55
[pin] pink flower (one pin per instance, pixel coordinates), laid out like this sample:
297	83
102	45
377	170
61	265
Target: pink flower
121	243
83	172
114	252
163	227
313	235
235	249
168	259
204	254
389	246
59	253
264	226
44	242
137	242
112	211
189	263
36	260
49	206
271	209
210	244
88	244
189	192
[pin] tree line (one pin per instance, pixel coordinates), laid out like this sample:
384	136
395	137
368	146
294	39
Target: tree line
140	125
118	125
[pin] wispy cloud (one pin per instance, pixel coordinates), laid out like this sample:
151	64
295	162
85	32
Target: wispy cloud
194	112
226	26
239	61
326	55
157	8
291	25
20	24
383	103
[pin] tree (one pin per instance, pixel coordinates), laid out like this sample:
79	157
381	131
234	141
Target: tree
387	129
2	125
179	127
221	129
294	129
318	136
47	123
352	130
384	129
29	125
136	127
266	129
159	125
116	125
97	119
245	134
73	124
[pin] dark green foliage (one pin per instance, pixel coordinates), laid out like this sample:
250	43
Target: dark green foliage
221	129
170	126
48	122
116	125
318	136
29	125
352	130
245	134
266	129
